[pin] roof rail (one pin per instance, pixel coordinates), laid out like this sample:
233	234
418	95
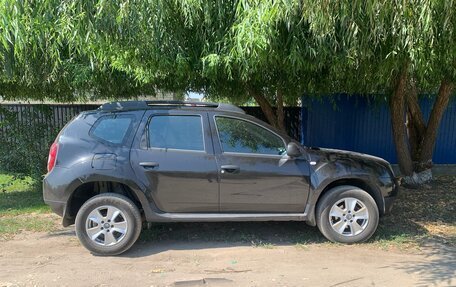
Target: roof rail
182	104
230	108
123	106
135	105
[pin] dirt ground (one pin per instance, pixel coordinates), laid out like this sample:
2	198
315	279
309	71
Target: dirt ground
57	259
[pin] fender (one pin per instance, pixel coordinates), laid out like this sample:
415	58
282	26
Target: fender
330	168
137	189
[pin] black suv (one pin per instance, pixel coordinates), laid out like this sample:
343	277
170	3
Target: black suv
128	162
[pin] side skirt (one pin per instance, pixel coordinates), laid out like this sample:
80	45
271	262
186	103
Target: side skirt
221	217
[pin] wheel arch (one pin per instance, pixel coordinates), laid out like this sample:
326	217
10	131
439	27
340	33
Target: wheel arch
356	182
88	189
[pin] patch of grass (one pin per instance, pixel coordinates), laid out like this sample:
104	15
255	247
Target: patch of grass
22	202
419	215
22	206
302	246
261	244
10	225
20	195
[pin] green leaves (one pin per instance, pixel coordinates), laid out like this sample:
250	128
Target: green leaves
51	47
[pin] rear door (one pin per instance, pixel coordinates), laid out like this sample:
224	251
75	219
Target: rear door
256	175
174	158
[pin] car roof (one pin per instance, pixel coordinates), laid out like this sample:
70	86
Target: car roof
148	105
224	109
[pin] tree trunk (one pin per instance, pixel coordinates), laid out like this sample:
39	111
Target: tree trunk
413	137
421	136
276	119
397	110
430	136
265	107
415	122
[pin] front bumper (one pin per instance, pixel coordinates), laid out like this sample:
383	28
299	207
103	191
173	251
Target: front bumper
389	200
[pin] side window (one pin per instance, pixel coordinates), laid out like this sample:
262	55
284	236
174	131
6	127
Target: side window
112	128
245	137
176	132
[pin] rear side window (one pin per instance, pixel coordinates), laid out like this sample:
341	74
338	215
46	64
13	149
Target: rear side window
176	132
112	128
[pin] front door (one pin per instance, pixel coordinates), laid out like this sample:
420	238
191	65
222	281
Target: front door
175	160
255	173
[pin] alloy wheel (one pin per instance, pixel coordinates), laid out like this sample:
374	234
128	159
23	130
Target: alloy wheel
106	225
349	216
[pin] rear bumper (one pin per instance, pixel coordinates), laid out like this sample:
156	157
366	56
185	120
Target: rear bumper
55	193
57	207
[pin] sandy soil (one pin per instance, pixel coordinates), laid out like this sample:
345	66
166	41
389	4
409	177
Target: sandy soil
57	259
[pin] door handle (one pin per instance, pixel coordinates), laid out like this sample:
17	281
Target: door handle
229	168
149	164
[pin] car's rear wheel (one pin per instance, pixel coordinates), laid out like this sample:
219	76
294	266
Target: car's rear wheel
108	224
347	214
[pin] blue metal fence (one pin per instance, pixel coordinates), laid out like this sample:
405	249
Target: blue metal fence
359	124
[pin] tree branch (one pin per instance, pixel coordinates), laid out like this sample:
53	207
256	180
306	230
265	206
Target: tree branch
264	105
415	121
440	105
414	108
280	114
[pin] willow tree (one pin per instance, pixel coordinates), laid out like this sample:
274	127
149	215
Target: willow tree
402	49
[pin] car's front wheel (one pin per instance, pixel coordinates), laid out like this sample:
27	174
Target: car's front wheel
108	224
347	214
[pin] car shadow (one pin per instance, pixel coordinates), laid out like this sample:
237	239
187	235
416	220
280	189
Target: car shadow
65	232
187	236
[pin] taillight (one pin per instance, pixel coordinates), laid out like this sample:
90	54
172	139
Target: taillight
52	156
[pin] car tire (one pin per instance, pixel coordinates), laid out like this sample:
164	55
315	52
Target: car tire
108	224
347	214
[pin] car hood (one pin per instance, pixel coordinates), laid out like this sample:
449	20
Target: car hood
343	154
319	156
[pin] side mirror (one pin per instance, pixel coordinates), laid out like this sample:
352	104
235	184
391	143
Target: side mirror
293	150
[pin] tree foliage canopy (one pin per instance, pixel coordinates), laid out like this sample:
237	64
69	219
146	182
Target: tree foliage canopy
222	47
